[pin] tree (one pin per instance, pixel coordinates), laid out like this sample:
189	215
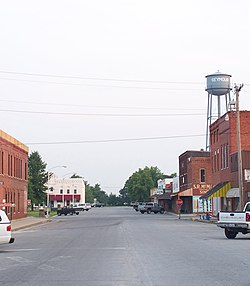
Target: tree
89	198
37	179
141	182
123	195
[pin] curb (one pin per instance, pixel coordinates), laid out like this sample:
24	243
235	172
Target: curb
13	229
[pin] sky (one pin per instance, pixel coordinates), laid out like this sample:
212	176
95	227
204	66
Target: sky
106	87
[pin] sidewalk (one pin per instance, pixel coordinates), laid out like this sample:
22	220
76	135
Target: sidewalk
29	221
194	217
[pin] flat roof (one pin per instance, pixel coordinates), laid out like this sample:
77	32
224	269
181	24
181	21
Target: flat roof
13	140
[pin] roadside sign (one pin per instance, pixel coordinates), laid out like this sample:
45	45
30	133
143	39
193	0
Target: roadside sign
28	202
179	202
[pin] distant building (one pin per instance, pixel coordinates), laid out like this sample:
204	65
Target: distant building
66	192
194	181
13	176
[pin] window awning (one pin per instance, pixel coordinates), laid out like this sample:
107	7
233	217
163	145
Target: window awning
219	190
68	197
76	197
233	193
59	198
164	196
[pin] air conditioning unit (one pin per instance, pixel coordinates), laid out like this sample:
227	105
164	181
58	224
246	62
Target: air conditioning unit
247	175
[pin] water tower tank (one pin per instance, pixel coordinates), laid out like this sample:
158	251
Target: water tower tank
218	83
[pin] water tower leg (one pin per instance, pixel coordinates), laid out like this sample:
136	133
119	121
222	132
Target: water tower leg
219	108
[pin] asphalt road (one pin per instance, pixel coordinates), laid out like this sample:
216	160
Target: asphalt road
117	246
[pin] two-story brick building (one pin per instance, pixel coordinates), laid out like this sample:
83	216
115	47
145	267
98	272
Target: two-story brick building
194	180
13	176
224	161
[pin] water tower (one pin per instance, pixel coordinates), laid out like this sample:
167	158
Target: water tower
218	86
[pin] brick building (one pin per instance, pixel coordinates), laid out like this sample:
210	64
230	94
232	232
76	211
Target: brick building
224	159
194	180
13	175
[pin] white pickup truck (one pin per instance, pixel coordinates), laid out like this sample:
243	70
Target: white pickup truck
235	222
5	229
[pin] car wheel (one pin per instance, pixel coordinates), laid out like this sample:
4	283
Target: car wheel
77	213
161	211
149	211
142	212
230	234
59	214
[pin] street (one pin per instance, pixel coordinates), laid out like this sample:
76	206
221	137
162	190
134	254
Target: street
118	246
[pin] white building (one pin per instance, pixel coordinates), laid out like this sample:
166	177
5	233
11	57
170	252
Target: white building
66	191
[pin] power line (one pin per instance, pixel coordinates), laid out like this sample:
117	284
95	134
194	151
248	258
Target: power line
97	106
95	78
101	114
99	85
114	140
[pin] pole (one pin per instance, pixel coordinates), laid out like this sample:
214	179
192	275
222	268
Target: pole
240	175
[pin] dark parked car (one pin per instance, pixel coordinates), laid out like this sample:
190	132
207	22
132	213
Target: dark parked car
66	211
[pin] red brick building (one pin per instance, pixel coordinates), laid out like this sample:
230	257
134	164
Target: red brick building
13	175
194	180
224	160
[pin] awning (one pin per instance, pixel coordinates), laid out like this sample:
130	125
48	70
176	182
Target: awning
52	197
233	193
219	190
59	198
68	197
76	197
164	196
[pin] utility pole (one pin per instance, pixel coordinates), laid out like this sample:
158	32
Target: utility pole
240	175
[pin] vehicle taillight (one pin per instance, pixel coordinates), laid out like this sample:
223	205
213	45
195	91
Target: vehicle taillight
247	217
9	228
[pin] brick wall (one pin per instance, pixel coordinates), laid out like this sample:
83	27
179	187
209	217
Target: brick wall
13	175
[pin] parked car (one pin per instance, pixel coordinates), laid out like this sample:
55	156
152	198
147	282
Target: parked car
138	205
82	207
5	229
235	222
152	207
87	206
97	205
66	211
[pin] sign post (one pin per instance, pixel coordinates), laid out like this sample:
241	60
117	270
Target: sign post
179	203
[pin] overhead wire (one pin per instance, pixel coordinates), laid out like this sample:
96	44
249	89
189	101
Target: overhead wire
114	140
101	114
97	106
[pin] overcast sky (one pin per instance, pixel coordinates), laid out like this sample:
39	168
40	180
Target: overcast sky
108	86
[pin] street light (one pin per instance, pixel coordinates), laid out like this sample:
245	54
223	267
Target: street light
47	214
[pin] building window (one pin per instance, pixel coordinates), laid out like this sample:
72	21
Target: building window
67	191
226	156
75	191
203	175
218	159
25	171
61	191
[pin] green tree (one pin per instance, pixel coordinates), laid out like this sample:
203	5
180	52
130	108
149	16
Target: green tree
37	179
99	194
123	195
140	183
114	200
89	198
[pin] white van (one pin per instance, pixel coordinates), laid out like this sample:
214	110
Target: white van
5	229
